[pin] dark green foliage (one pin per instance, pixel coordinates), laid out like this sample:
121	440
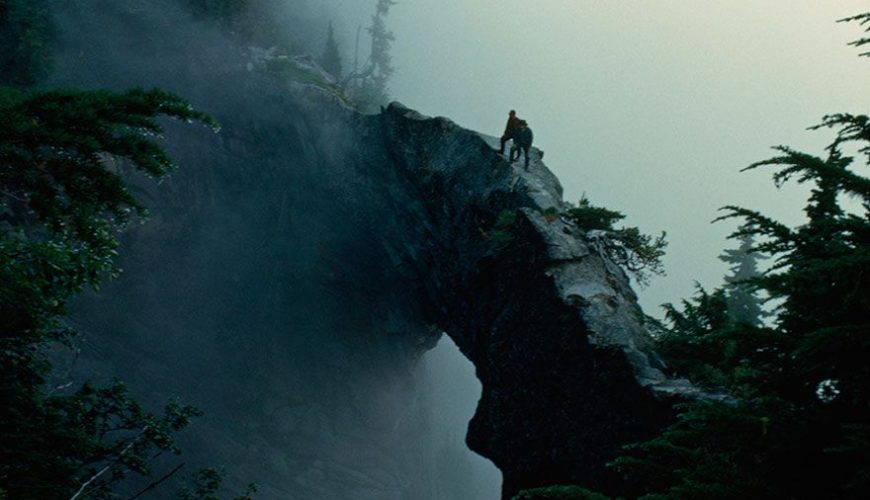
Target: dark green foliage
863	20
61	202
710	346
331	58
590	217
559	493
84	442
61	193
796	423
26	42
726	450
639	254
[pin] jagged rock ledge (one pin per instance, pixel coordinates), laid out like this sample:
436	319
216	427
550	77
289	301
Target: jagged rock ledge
552	327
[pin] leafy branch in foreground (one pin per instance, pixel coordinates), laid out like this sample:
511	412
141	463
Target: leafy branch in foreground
62	199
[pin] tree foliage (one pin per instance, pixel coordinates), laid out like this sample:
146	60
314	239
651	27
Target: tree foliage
800	422
370	88
742	297
789	409
206	484
559	493
863	20
62	198
331	58
638	253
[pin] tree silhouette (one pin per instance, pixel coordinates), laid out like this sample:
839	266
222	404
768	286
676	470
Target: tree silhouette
331	58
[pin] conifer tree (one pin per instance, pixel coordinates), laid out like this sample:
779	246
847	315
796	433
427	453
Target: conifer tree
331	58
792	414
743	302
798	421
61	201
373	91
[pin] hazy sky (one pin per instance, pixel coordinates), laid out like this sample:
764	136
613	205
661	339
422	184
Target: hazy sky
650	108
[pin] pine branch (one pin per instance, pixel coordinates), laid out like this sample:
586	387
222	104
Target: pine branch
863	20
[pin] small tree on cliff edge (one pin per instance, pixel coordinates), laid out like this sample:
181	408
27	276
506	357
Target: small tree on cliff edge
638	253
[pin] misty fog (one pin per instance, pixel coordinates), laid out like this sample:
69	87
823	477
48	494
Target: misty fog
260	289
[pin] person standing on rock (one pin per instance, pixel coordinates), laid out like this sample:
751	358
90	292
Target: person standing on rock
510	130
522	140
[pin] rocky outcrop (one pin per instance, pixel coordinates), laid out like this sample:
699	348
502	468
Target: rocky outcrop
551	325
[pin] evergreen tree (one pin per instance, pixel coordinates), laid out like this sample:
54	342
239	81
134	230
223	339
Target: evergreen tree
638	253
792	415
797	421
743	303
373	91
331	59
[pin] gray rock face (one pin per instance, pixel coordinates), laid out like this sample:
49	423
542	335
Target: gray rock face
553	327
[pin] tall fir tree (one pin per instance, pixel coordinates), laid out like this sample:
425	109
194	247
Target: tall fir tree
331	58
62	199
373	91
744	304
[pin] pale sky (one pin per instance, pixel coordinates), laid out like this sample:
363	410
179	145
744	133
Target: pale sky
650	108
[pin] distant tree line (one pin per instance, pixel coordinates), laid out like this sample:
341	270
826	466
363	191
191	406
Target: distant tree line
367	87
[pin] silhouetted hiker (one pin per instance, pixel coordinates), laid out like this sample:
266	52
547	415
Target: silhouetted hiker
510	130
522	140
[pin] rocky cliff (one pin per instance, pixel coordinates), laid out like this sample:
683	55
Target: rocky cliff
551	325
302	260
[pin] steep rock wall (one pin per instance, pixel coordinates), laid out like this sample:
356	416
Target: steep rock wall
553	327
